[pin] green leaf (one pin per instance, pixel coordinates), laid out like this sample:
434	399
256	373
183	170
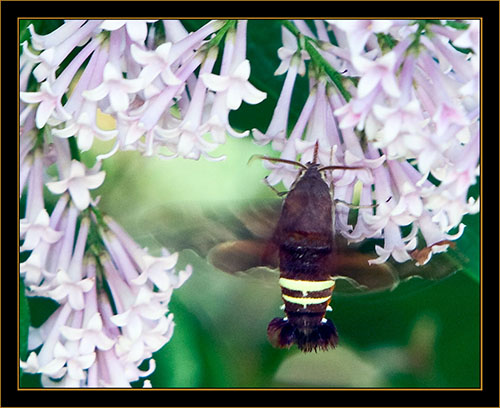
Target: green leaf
458	25
24	33
24	322
178	362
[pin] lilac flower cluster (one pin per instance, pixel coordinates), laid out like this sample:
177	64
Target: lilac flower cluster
399	98
157	81
162	107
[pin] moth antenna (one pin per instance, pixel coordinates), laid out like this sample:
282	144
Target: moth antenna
331	167
277	160
315	155
340	168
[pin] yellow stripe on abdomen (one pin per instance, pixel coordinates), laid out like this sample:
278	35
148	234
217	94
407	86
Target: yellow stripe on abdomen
306	286
305	301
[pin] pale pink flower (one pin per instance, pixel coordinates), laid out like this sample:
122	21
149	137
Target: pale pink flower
85	129
65	289
55	37
156	63
78	184
91	336
37	231
68	355
289	54
394	245
278	126
31	364
436	240
55	50
358	31
115	87
33	269
34	200
236	86
49	102
137	30
381	72
187	138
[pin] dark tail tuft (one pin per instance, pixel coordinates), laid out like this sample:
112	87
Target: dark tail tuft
283	334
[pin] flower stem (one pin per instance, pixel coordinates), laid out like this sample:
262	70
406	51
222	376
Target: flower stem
308	44
95	243
221	33
291	27
73	148
40	137
98	216
318	59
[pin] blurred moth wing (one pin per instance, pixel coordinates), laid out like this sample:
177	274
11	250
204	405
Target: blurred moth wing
242	256
237	239
351	270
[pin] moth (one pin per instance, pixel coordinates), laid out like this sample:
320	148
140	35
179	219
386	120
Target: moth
297	238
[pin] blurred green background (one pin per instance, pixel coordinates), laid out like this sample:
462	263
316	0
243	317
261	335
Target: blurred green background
422	334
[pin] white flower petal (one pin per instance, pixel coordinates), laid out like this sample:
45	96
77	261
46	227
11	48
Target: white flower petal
85	139
75	371
215	82
96	94
31	97
51	236
169	77
242	71
390	85
141	56
252	95
86	284
233	98
31	365
77	169
55	368
112	73
93	181
57	187
121	319
66	132
71	333
43	113
149	73
137	30
103	342
86	360
141	279
95	322
79	194
75	299
132	85
111	25
368	83
119	100
134	327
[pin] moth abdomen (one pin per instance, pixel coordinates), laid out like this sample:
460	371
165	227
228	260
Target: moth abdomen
309	331
306	302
